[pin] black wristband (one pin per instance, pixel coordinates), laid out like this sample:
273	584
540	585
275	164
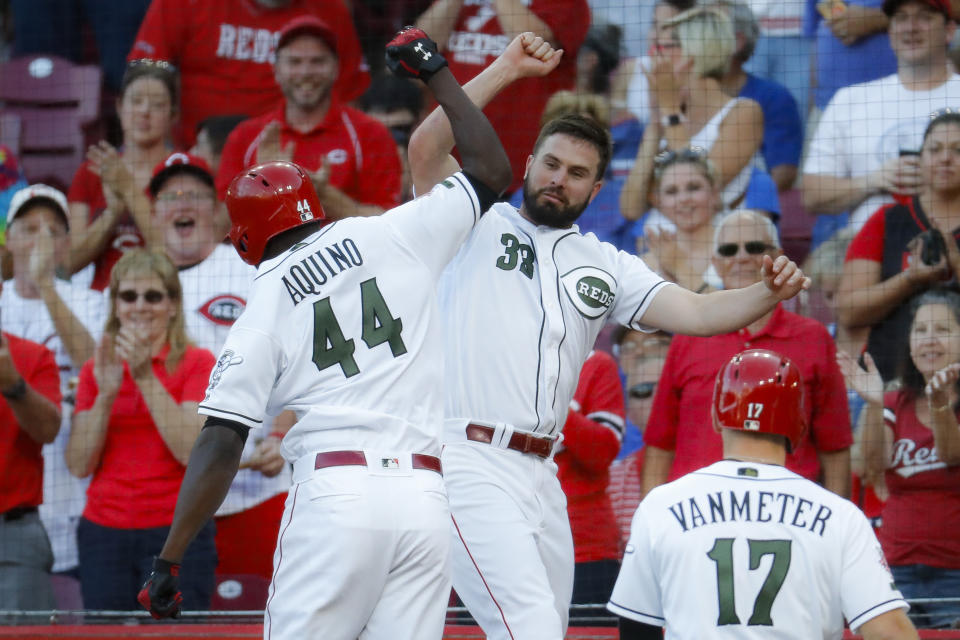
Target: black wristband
15	392
165	566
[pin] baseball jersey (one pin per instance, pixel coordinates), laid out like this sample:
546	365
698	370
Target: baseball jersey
342	329
562	287
225	53
747	550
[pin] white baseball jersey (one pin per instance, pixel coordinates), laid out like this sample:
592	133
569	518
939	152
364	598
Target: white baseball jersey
746	550
523	305
64	495
343	328
214	295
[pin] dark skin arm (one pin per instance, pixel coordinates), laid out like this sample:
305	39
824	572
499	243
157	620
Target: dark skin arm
213	464
481	151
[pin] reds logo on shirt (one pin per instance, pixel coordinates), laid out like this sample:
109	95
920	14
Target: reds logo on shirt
909	459
247	43
223	310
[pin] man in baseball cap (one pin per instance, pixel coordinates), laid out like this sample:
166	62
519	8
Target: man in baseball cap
350	157
216	283
25	199
943	6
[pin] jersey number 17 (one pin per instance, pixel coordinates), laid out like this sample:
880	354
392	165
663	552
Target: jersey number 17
722	555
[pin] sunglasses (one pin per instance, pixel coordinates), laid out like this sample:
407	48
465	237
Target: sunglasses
687	154
192	197
152	296
642	390
753	248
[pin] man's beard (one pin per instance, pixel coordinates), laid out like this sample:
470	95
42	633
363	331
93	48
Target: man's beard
550	213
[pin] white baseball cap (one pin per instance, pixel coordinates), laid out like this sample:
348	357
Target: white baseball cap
27	195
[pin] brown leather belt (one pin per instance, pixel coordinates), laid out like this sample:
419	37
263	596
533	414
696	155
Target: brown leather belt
523	442
358	458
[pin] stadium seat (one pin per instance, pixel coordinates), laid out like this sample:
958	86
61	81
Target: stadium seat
54	99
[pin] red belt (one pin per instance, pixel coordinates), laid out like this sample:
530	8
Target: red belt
523	442
350	458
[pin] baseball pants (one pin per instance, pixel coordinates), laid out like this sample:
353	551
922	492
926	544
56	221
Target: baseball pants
512	550
363	553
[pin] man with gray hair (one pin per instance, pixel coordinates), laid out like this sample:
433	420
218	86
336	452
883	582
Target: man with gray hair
679	438
782	125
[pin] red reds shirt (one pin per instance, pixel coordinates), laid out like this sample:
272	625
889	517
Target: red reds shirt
477	39
885	238
359	151
225	53
136	483
591	440
923	490
680	418
87	189
21	464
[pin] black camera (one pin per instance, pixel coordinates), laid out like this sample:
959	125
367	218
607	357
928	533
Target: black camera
932	246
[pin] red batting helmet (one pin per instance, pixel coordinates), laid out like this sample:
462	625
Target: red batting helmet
762	391
266	200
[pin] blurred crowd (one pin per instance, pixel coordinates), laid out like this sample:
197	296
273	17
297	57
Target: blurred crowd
825	130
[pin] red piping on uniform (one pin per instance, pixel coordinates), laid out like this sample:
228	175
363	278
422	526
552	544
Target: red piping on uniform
480	573
293	506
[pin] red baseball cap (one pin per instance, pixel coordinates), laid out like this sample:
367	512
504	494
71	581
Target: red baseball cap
179	162
943	6
307	24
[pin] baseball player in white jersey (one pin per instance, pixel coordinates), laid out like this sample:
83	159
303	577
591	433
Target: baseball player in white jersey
745	548
523	302
341	327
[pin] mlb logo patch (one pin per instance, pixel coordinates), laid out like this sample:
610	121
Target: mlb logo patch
751	425
390	463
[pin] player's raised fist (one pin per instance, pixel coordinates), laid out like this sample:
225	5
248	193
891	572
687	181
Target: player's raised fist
160	594
412	54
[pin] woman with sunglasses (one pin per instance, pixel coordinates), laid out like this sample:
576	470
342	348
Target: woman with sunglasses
901	250
686	194
911	453
109	212
135	423
690	108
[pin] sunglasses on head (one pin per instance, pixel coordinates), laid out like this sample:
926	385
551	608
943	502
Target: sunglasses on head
642	390
687	154
753	248
152	296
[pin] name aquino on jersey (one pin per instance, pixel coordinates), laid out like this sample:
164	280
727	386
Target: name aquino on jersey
750	506
308	275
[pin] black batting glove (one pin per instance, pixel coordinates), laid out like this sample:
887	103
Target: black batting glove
160	594
412	54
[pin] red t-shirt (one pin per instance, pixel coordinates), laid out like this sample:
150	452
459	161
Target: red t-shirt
21	464
136	483
591	440
225	53
87	189
921	518
359	151
477	39
680	418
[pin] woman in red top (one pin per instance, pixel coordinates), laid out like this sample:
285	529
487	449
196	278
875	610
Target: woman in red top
109	212
135	423
912	441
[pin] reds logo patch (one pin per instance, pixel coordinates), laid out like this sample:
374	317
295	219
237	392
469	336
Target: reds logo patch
226	360
223	310
591	290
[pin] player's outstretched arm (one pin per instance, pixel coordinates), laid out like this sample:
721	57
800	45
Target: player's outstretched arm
527	55
891	625
679	310
213	463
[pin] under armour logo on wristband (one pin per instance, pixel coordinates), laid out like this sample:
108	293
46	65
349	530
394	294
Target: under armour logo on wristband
419	49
